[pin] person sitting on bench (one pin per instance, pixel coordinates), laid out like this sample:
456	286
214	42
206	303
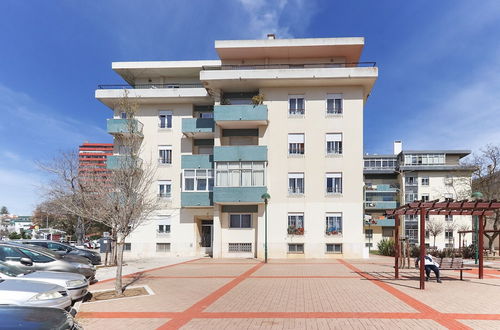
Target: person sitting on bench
430	264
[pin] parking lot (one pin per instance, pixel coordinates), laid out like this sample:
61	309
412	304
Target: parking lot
285	294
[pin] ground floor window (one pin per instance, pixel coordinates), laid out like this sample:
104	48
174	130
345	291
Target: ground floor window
368	233
162	247
240	247
163	229
369	245
127	247
387	232
333	248
240	221
295	248
295	224
333	223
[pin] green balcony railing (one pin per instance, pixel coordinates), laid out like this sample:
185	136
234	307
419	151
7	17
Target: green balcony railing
380	205
197	199
197	161
125	126
242	112
240	153
239	194
198	125
382	188
119	162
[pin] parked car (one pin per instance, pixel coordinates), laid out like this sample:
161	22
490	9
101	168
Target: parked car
40	318
30	257
65	249
33	293
76	284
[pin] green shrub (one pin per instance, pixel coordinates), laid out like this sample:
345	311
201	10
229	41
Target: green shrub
386	247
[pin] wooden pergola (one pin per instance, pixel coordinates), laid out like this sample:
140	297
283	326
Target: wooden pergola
478	208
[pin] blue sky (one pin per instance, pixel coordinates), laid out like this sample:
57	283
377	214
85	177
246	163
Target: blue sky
438	86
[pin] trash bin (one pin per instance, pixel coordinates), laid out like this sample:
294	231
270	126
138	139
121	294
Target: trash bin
105	244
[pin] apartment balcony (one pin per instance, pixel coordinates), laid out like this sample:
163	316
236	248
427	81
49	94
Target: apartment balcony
197	161
153	93
384	188
241	77
125	127
122	162
239	195
380	205
197	199
240	116
200	128
240	153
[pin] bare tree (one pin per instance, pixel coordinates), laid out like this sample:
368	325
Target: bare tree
486	179
435	228
120	198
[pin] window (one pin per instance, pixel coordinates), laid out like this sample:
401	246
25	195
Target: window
165	189
163	229
425	181
334	104
240	174
334	183
35	256
239	247
123	115
333	248
333	223
425	197
380	163
295	224
448	217
162	247
198	180
8	253
369	245
296	145
127	247
334	144
296	105
449	245
448	233
427	234
240	221
163	224
165	154
387	232
424	159
296	248
368	233
411	181
165	119
295	183
410	197
57	247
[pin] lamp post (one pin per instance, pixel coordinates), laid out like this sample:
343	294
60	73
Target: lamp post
476	196
266	198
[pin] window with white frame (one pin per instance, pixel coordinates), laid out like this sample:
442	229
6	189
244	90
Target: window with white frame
448	233
333	183
425	197
165	154
165	119
163	223
295	248
333	248
296	223
165	188
240	221
425	181
333	223
411	180
334	104
296	105
198	180
368	233
334	143
448	217
295	183
410	197
296	145
240	174
162	247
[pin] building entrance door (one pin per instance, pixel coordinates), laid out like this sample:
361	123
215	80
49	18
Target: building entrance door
207	236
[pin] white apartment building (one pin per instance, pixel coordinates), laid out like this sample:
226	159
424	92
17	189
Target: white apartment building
409	175
217	152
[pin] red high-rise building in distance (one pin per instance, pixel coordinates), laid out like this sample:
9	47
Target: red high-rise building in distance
93	156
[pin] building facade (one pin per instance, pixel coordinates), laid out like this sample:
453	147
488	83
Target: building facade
92	157
276	116
409	175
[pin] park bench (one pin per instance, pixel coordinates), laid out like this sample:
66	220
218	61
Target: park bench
452	264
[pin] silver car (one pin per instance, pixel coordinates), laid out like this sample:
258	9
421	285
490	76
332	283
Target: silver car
35	258
33	293
76	284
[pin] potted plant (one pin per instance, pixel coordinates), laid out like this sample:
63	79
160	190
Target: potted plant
258	99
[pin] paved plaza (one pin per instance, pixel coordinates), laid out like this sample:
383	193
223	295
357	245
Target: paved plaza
297	294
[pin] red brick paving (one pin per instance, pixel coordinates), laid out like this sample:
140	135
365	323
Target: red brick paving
287	294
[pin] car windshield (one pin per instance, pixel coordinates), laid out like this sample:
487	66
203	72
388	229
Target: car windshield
42	250
10	270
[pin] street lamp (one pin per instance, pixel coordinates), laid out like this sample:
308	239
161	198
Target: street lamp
266	197
477	195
